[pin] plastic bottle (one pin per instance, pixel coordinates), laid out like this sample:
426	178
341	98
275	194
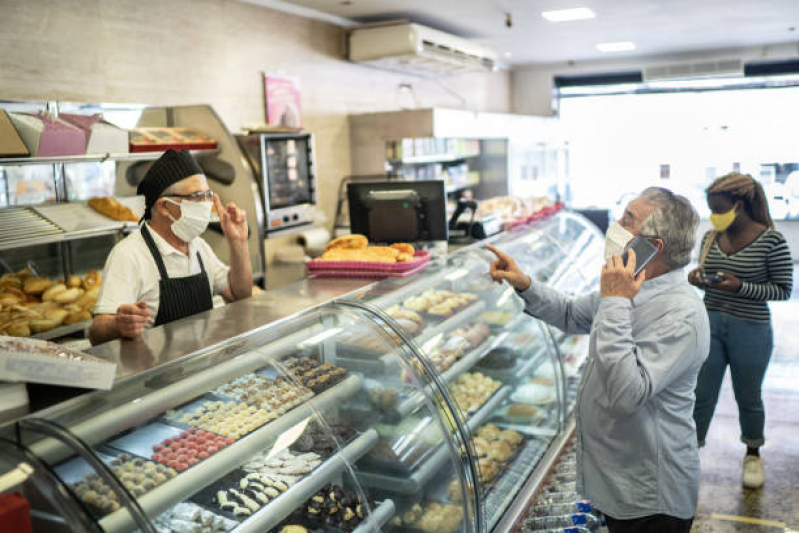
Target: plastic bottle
573	529
566	520
557	497
579	506
561	487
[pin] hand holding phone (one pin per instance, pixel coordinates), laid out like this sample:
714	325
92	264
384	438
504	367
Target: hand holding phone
645	252
710	279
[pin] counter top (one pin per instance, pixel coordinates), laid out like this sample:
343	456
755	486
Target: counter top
202	331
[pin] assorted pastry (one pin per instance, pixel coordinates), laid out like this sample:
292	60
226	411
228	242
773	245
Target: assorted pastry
139	476
521	412
433	517
315	375
356	248
229	419
500	358
188	448
496	318
383	398
494	448
411	321
472	390
30	304
334	507
249	494
439	303
284	466
190	518
325	438
276	396
450	348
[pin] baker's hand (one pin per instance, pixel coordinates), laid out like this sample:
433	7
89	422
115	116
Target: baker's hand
233	221
505	268
729	283
131	319
618	280
695	278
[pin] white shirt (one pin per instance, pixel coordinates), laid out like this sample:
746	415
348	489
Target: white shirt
131	275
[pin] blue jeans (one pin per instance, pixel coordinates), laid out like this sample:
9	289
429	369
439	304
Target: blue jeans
746	347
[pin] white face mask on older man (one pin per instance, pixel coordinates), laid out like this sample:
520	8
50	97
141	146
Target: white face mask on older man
616	239
193	221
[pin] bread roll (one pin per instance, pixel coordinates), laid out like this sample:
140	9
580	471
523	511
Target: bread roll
354	241
43	324
10	282
91	280
54	290
58	315
68	296
74	281
7	300
77	316
24	274
20	329
36	286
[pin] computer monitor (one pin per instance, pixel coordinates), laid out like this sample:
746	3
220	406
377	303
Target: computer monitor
399	211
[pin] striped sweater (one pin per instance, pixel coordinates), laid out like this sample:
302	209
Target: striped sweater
765	269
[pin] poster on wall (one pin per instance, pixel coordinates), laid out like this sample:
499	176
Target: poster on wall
282	96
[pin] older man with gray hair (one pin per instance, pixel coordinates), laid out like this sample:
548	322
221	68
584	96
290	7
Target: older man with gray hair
638	460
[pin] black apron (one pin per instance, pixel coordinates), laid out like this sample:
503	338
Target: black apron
180	297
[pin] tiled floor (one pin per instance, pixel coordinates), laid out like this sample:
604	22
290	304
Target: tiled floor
724	505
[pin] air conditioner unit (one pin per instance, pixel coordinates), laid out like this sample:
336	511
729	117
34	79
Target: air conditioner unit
419	50
702	69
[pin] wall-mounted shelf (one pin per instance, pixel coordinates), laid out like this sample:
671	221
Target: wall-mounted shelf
92	158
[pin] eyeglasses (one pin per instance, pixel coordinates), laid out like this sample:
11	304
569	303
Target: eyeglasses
198	196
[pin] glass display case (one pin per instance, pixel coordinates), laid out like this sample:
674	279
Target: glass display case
411	405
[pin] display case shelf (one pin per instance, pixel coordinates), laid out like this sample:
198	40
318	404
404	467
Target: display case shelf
93	158
186	483
378	518
416	482
432	158
272	514
63	331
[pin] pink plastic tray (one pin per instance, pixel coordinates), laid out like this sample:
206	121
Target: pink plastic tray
420	258
372	274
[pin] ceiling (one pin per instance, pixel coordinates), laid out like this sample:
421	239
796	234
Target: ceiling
655	26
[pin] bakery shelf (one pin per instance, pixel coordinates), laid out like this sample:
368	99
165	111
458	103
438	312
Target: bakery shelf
412	288
378	518
512	478
63	331
389	360
272	514
92	158
104	426
186	483
416	482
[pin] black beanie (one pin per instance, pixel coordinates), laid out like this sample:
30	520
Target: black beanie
168	169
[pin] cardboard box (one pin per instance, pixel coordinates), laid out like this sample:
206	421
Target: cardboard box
162	139
11	144
37	361
46	136
101	137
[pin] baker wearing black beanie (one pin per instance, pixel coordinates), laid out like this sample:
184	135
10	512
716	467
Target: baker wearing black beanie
166	271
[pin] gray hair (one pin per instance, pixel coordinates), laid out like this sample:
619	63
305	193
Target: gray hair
674	220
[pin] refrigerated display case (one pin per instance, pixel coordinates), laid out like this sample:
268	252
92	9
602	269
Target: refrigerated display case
425	404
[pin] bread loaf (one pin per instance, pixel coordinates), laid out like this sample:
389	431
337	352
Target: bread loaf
53	291
36	286
20	329
77	316
91	280
74	281
112	208
68	296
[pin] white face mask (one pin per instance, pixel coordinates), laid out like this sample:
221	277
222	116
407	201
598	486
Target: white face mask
193	221
616	240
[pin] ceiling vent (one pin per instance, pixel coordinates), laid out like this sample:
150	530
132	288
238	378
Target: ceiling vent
418	50
700	69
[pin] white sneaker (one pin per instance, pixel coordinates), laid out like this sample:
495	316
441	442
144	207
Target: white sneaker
753	477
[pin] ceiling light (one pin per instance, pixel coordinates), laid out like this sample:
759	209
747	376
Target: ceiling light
623	46
566	15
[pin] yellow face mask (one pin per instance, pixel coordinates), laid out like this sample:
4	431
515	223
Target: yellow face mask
723	221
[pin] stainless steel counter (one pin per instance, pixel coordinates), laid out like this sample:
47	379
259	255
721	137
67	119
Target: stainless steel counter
172	341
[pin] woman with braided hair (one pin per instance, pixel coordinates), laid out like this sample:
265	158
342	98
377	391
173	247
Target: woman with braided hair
743	264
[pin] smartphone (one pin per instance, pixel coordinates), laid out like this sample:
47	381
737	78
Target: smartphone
645	252
712	278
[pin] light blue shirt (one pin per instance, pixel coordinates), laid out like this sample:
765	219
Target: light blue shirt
637	450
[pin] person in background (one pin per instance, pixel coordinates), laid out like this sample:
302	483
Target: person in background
637	453
166	271
744	262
